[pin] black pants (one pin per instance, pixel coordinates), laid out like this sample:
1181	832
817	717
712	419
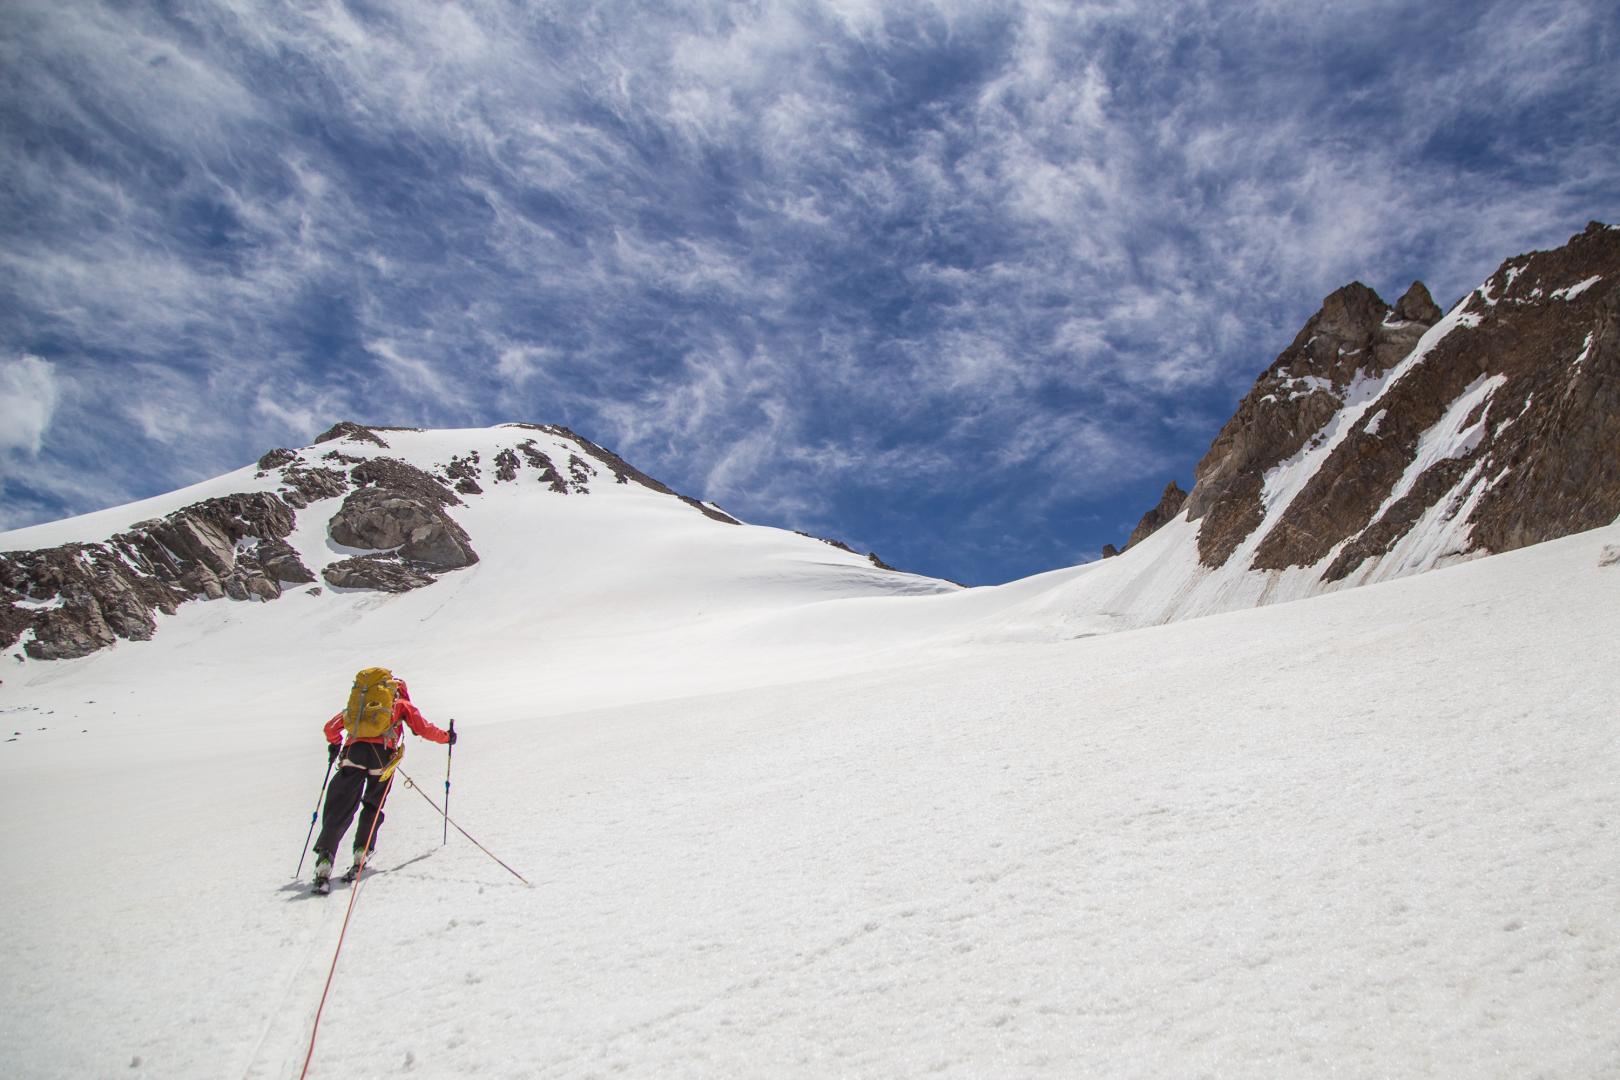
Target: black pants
358	783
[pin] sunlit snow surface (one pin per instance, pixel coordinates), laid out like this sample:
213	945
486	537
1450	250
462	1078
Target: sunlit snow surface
786	818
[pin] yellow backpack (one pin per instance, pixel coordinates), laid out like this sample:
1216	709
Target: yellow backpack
370	711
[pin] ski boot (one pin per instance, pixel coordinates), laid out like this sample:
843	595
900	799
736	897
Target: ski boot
323	874
360	860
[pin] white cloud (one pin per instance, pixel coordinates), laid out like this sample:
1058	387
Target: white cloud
736	239
28	399
420	380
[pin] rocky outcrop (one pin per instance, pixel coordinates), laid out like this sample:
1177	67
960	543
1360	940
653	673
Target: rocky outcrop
541	464
382	573
348	429
78	598
392	474
378	519
1500	432
506	466
393	515
1168	509
1537	370
399	513
1554	467
463	471
1354	335
302	486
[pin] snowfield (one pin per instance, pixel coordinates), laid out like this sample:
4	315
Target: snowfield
788	815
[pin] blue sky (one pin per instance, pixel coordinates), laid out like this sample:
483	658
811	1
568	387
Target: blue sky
963	283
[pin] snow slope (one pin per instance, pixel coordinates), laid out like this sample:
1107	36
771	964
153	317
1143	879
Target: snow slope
789	826
630	591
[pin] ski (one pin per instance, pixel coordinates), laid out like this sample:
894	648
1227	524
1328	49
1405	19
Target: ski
321	887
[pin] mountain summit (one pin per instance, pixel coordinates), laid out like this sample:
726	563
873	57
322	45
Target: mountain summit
1388	440
384	510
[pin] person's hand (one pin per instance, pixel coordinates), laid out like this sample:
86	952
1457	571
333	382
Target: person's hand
451	741
332	751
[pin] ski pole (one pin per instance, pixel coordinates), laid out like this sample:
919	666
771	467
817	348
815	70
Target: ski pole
449	752
314	814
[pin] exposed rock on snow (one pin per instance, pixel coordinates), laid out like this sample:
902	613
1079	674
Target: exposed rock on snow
275	459
1497	431
382	572
1534	454
541	464
624	473
1416	305
74	599
386	519
392	474
1170	504
464	471
348	429
306	485
231	546
1305	387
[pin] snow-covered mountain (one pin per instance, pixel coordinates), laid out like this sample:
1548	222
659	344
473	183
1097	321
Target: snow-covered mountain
1387	441
1384	441
786	812
442	549
1370	834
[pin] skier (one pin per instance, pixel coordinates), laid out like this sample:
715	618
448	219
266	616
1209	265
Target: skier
379	710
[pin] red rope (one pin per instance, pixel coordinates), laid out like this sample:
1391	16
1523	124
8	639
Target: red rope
452	822
354	894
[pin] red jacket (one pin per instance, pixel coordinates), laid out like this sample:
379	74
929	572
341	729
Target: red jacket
404	713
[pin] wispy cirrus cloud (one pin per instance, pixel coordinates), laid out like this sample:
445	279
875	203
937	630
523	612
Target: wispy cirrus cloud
28	396
940	276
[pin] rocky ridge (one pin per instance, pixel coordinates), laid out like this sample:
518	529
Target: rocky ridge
1490	429
73	599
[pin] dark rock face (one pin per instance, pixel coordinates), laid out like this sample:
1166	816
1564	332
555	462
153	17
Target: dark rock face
399	508
1544	463
348	429
540	463
1534	364
377	518
394	475
1170	504
506	466
1417	306
1304	388
1560	452
383	573
380	519
464	471
82	597
304	486
77	628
